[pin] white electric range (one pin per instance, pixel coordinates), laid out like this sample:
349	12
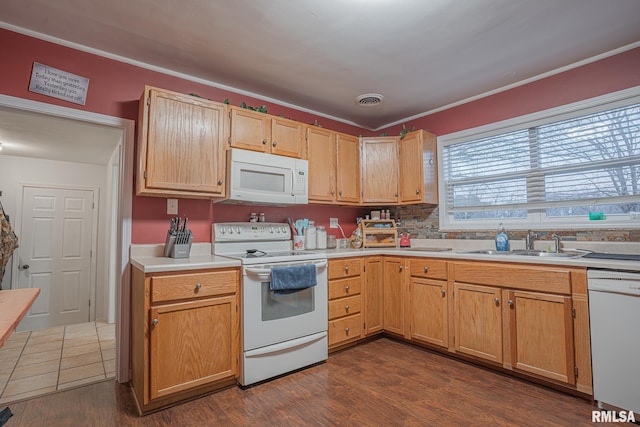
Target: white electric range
281	331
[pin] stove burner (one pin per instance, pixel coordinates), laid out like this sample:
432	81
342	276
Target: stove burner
255	253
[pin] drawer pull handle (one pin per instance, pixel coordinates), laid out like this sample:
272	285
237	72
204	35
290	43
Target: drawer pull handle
443	292
346	269
510	302
274	143
264	141
347	330
346	288
401	268
220	181
418	191
426	270
198	286
346	308
154	322
497	301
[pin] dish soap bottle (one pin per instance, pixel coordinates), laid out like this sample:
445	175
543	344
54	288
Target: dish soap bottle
502	240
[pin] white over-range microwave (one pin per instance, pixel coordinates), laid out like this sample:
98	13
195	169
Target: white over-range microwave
261	178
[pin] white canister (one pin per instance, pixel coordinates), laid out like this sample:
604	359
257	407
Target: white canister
321	241
310	236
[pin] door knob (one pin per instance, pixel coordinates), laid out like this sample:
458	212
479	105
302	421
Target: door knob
24	267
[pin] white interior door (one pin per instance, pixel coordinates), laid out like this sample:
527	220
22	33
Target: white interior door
55	254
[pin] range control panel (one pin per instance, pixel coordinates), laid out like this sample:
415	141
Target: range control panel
249	231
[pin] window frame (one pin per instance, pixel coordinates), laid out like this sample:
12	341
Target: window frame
536	218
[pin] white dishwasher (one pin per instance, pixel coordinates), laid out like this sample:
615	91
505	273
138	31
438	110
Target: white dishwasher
614	311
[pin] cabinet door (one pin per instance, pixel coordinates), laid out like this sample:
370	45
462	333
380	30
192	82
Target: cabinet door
286	137
348	169
429	314
321	150
478	325
373	295
538	323
394	296
250	130
380	170
192	344
181	147
412	171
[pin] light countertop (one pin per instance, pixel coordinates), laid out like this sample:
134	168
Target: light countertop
150	259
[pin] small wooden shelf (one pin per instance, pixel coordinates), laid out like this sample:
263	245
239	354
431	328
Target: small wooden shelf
379	233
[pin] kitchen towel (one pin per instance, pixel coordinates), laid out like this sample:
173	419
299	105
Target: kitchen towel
294	277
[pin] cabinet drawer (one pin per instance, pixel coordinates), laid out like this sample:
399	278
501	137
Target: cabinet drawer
344	307
194	285
345	330
345	287
341	268
428	268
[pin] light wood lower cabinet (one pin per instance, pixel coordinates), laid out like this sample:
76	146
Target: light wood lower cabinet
184	334
345	301
540	331
373	295
429	313
395	296
478	321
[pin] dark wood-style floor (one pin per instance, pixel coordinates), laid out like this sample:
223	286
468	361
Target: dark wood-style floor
382	382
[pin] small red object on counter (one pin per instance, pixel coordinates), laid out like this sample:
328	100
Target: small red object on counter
405	240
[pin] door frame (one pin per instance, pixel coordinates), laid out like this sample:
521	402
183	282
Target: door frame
93	262
125	201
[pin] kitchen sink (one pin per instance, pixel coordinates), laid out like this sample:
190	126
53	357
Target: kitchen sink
547	254
524	252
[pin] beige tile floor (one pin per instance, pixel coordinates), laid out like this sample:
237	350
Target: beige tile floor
40	362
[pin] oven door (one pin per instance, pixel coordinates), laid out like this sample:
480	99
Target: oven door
272	317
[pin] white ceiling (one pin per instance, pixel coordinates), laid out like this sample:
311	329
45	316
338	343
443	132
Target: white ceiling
421	55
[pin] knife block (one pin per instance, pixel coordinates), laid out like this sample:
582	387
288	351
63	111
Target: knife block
177	250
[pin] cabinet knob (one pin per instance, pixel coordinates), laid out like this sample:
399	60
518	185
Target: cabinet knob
497	301
220	181
346	269
274	143
346	308
154	322
346	288
426	270
510	302
418	191
443	292
347	330
198	286
333	193
396	194
264	141
401	268
339	193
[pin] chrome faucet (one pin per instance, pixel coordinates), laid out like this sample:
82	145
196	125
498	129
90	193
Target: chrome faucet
529	238
556	240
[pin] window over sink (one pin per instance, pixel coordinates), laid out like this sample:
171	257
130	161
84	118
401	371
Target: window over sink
561	167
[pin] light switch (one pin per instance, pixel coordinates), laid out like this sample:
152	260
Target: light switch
172	206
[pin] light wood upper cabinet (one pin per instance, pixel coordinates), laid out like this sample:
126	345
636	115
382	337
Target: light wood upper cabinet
181	150
256	131
379	170
250	130
321	150
418	168
347	169
538	323
478	321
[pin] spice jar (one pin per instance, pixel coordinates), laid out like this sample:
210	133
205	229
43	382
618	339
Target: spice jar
321	237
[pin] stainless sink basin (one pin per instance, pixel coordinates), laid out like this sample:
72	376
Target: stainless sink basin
489	252
547	254
524	252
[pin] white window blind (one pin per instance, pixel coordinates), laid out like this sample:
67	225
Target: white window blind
579	162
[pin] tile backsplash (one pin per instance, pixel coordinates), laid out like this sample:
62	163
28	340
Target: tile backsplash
422	222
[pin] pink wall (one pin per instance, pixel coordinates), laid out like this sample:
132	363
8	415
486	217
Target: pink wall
611	74
115	88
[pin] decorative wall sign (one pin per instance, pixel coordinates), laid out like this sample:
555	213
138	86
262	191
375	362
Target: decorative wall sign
58	84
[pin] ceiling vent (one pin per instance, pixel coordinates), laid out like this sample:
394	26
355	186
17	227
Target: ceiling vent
369	99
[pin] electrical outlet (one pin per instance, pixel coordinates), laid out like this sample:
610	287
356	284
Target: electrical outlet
172	206
333	222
